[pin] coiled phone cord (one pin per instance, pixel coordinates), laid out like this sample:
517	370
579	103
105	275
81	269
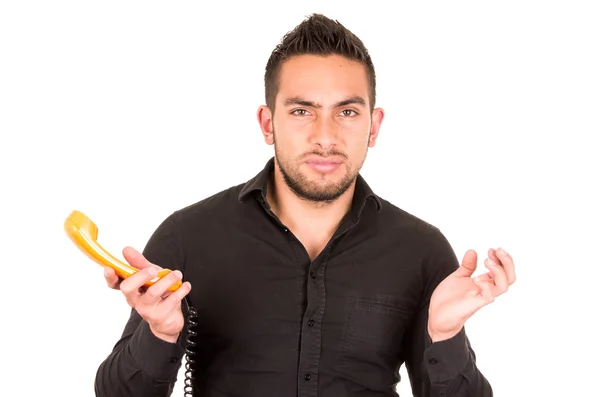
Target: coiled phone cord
192	316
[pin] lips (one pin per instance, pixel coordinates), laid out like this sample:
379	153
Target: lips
323	165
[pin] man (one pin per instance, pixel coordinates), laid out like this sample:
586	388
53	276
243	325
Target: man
305	282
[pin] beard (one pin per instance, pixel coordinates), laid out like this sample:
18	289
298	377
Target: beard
317	191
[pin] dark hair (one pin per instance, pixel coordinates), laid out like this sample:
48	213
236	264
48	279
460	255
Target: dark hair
317	35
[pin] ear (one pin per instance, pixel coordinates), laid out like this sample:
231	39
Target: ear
265	120
376	120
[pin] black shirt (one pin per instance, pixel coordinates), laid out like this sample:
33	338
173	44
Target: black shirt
273	323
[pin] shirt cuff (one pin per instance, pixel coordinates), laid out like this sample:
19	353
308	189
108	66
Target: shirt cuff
157	358
446	359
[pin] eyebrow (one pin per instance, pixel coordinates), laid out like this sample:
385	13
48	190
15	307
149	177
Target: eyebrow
355	100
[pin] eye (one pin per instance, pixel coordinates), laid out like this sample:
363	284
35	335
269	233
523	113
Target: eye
299	112
348	113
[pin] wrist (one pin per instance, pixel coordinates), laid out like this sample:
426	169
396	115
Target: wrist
437	336
165	337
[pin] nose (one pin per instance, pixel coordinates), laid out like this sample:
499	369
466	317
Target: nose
324	133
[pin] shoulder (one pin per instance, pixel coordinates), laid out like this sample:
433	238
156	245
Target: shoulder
423	236
437	257
398	219
210	208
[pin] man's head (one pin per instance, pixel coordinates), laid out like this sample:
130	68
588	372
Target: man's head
320	112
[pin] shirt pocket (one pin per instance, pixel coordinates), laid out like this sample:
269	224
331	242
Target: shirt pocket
371	347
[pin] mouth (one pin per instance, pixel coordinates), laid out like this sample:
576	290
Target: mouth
323	165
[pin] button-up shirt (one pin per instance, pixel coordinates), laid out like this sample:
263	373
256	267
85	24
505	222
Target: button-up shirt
271	322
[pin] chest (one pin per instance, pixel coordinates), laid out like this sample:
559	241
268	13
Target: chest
257	286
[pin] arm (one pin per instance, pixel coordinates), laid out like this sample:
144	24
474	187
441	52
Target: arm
141	364
446	367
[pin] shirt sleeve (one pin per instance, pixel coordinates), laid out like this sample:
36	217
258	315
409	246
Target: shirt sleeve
446	368
140	363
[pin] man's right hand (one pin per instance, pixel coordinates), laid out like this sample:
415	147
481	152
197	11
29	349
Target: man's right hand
158	306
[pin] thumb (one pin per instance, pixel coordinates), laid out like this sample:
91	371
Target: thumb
135	258
468	266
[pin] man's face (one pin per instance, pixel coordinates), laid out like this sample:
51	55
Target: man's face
322	126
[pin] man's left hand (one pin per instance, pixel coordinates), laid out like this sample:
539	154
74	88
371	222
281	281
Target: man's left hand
459	295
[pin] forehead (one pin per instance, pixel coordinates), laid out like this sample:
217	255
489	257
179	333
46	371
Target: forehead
323	78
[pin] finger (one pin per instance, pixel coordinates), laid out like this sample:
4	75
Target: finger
131	285
177	296
112	280
485	277
508	265
485	290
468	266
154	294
493	257
499	276
136	259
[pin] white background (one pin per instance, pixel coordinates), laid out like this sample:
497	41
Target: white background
130	110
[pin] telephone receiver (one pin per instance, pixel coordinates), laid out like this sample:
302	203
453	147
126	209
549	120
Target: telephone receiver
84	234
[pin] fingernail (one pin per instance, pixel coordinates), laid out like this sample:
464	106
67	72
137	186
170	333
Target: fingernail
152	271
501	251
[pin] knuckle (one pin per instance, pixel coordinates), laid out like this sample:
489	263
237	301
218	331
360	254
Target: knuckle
153	293
174	276
142	311
182	291
147	313
125	289
168	280
112	284
177	298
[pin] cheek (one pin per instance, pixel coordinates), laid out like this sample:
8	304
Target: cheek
291	132
287	141
356	136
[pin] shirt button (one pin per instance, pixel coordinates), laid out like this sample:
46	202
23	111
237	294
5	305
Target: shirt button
285	229
311	322
173	360
307	377
433	361
312	274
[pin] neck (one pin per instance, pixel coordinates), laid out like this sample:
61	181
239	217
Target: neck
298	214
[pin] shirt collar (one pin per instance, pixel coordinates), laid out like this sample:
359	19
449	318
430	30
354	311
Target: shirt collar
258	183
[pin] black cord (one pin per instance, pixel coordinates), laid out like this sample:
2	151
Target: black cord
192	316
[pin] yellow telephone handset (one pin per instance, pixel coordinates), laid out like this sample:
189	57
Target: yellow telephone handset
84	233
